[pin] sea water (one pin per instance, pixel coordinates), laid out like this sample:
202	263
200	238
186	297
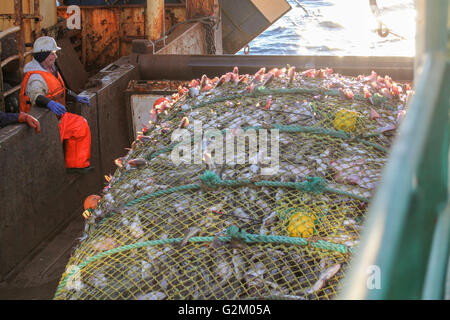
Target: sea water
339	28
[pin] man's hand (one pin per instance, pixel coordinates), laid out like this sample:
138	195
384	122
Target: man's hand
84	100
30	121
56	107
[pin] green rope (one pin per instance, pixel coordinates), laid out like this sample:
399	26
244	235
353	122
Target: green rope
312	184
232	232
212	180
283	128
347	194
163	192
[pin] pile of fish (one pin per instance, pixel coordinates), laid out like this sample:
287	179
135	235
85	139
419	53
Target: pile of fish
147	238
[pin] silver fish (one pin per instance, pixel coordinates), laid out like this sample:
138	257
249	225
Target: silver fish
189	234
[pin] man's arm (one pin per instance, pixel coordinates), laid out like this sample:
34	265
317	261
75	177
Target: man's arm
36	87
11	118
77	98
37	90
8	118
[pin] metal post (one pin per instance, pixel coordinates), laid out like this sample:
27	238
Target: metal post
37	20
20	34
199	8
2	99
155	19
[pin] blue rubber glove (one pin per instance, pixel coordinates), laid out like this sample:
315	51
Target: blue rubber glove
57	108
83	100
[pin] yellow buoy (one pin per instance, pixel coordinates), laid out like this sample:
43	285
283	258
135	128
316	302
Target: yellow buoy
345	120
302	225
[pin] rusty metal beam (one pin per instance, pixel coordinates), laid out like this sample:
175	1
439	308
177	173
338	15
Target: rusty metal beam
199	8
18	11
37	22
8	31
24	16
2	98
9	59
185	67
155	19
12	90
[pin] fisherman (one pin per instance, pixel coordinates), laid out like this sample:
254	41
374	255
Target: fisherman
11	118
44	87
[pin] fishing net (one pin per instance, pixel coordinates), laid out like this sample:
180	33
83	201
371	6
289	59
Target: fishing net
233	229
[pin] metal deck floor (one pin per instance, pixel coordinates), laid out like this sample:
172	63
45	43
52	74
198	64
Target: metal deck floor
37	278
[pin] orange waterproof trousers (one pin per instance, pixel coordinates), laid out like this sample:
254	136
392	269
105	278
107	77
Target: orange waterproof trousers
74	130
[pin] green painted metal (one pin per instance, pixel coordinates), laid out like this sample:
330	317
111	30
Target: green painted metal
434	287
407	229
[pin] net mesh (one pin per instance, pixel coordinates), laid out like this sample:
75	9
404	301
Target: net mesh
211	230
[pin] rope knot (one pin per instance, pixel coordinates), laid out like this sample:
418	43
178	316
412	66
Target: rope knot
210	179
312	184
237	233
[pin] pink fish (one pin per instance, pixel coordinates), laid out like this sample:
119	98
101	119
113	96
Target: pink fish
373	114
243	78
291	75
258	78
280	72
260	71
380	79
396	90
366	93
215	80
346	93
119	162
221	81
268	104
322	73
311	73
235	78
268	77
228	76
371	78
274	71
374	85
251	87
203	81
207	87
194	83
385	92
143	138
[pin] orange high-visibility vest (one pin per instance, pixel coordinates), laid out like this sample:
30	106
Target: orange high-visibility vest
56	89
73	128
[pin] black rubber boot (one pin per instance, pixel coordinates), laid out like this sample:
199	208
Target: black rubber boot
80	170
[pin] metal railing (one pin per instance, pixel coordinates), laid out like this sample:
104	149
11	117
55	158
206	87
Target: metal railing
18	29
407	235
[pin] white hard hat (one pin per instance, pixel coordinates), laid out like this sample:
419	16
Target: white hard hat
45	44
